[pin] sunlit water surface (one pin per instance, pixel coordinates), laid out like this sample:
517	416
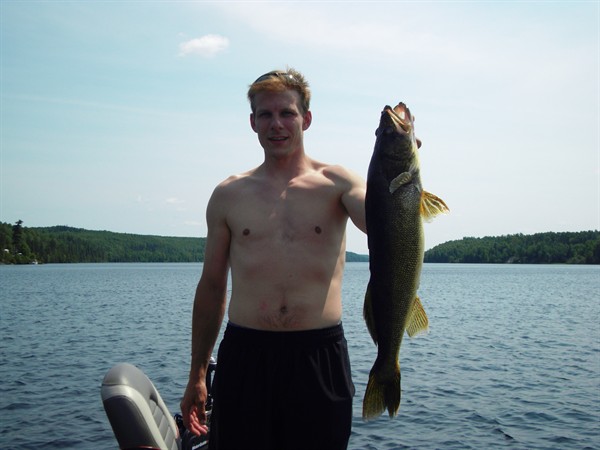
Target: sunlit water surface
512	359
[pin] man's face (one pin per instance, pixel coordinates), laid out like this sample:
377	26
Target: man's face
279	122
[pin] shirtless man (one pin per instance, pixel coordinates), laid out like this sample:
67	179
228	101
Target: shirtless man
283	380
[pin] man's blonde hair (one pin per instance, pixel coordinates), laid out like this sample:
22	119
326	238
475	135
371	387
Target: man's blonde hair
278	81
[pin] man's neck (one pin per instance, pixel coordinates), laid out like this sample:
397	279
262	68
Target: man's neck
287	168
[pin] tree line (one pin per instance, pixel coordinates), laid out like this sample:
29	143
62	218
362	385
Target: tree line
542	248
62	244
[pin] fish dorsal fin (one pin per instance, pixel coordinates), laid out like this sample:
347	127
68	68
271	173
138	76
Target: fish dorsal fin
418	321
432	205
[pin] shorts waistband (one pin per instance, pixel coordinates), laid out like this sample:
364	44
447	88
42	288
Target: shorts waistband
304	337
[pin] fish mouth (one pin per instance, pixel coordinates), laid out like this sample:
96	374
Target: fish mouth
396	133
399	117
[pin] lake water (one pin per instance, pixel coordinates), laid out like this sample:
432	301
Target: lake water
512	359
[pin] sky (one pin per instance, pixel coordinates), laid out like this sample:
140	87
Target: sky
124	116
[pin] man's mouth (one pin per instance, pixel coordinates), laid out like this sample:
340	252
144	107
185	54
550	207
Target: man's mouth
278	138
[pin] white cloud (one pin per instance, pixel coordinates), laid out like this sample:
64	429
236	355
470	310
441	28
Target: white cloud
206	46
368	34
428	37
174	201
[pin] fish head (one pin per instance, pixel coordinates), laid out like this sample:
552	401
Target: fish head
395	135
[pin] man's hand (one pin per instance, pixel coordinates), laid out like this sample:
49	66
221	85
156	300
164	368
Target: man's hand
193	408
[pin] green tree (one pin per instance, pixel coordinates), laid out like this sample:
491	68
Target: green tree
542	248
17	236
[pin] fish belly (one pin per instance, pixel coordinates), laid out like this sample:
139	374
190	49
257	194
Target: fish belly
396	254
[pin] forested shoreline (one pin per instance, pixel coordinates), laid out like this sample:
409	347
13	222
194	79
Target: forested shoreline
581	247
63	244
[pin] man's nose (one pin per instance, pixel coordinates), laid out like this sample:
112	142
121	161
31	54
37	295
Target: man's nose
276	122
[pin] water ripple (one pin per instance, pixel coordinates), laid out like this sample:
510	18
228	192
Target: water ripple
512	359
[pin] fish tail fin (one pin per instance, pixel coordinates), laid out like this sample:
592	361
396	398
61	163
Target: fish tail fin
368	314
381	396
418	321
432	205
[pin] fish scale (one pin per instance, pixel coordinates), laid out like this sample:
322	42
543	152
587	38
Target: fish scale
395	205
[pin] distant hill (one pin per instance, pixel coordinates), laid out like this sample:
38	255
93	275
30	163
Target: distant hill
62	244
355	257
542	248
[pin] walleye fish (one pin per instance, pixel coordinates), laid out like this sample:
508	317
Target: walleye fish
395	206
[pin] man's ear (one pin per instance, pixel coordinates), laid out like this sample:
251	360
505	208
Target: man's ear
307	120
252	122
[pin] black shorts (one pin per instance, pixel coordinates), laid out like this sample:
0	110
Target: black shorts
282	390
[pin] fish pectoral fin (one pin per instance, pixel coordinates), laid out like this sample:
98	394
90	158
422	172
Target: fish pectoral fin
368	314
432	205
418	321
403	178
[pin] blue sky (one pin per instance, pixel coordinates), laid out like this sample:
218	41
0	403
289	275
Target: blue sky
123	116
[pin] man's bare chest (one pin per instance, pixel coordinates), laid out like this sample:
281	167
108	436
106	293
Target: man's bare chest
294	214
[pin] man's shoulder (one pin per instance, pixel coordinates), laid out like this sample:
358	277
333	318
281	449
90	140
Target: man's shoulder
340	174
328	170
234	182
229	190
